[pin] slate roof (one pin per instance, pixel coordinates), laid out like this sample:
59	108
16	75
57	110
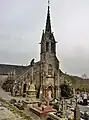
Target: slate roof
5	68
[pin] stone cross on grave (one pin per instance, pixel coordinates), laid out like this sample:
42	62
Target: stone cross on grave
76	111
71	102
62	104
66	105
63	107
76	100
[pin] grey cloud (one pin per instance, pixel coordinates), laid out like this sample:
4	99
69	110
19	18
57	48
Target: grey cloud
16	58
77	62
21	24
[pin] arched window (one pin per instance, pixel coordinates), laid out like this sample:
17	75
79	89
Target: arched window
50	69
28	76
53	47
47	46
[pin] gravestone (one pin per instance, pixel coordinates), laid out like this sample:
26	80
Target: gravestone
71	102
76	113
66	105
63	108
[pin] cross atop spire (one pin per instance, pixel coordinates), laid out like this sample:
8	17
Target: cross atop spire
48	2
48	23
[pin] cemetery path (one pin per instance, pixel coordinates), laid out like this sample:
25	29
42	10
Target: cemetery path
6	96
8	111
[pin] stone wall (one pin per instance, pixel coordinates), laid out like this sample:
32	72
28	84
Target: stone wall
3	78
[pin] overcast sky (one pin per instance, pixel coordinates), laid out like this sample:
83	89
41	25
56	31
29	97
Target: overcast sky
21	25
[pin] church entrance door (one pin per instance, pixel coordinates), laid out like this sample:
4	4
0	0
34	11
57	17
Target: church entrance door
49	92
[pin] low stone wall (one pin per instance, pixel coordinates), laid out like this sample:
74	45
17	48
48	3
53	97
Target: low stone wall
3	78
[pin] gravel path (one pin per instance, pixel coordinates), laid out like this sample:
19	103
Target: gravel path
9	112
4	95
6	114
7	97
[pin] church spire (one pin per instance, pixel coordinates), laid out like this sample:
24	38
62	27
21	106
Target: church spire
48	23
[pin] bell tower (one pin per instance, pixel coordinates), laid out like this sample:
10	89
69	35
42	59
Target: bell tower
48	43
49	61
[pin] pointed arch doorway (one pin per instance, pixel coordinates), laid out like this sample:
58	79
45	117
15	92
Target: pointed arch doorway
24	88
50	92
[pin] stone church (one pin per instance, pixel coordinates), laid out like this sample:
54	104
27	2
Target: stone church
44	74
